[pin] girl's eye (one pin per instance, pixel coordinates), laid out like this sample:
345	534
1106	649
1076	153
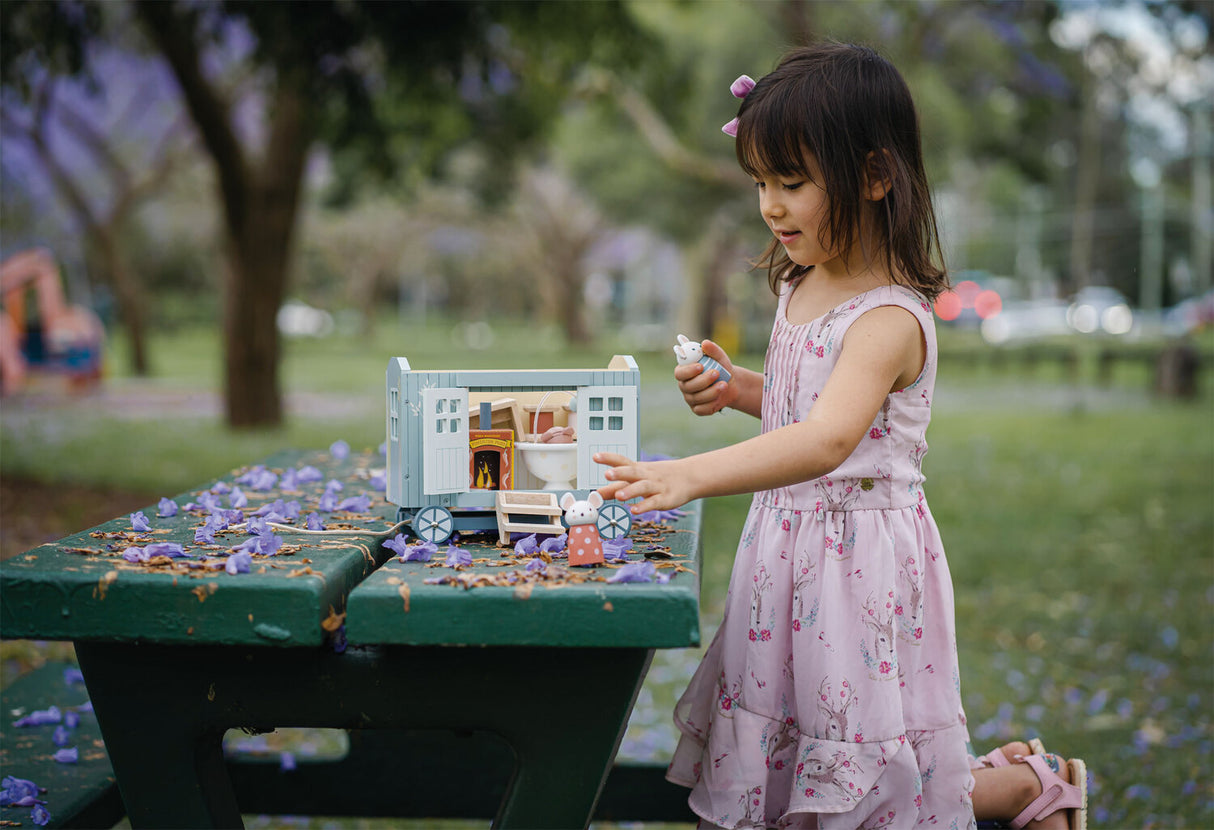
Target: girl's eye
793	186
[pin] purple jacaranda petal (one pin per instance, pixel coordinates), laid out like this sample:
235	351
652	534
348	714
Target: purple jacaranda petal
536	564
313	521
72	676
340	642
276	518
641	571
288	481
238	563
139	522
166	509
328	503
67	755
247	476
61	737
658	516
307	474
286	761
264	481
256	525
19	787
356	504
71	718
334	486
398	544
238	498
419	553
204	534
135	554
249	545
291	509
379	481
268	543
526	546
457	557
169	549
554	543
221	488
615	549
339	450
40	816
221	519
275	506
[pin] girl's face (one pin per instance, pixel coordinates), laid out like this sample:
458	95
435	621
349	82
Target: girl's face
795	208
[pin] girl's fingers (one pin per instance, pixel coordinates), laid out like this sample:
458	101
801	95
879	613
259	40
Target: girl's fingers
611	459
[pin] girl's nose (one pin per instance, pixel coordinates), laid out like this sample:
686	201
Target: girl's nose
769	205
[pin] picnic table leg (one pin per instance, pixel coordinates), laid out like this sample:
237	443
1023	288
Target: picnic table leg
566	746
182	781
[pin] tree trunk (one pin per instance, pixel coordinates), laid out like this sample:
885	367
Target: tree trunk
127	294
260	207
1086	184
261	239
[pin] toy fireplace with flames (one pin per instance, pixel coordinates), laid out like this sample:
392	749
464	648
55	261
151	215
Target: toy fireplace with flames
479	451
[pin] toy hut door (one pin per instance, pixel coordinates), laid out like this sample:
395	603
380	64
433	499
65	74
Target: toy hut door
607	422
444	440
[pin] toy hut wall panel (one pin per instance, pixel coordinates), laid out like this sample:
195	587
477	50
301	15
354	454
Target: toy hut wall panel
607	422
445	451
397	371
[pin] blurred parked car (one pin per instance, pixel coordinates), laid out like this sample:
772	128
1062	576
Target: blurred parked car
1027	320
1098	309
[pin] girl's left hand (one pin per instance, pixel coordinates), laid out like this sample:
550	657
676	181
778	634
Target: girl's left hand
664	485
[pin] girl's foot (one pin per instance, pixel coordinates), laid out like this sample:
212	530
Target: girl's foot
1053	793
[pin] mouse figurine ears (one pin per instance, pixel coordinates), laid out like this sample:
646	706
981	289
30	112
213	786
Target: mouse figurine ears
740	89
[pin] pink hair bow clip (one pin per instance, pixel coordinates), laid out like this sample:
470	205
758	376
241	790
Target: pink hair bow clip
740	89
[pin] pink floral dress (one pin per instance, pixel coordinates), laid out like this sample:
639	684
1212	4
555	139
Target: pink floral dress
830	696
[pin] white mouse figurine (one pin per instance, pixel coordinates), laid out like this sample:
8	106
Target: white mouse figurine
689	352
585	546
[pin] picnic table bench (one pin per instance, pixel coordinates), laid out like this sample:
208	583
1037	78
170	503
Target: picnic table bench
499	688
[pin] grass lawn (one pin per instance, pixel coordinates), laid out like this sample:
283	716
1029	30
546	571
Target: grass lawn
1078	521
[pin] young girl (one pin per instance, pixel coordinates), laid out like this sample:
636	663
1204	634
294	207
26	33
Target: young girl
830	696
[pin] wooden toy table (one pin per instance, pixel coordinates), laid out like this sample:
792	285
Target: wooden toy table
173	655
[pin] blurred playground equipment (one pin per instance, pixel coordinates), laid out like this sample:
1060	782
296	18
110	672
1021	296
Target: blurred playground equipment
47	334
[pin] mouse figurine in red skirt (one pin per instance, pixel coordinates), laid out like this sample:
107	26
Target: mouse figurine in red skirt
585	546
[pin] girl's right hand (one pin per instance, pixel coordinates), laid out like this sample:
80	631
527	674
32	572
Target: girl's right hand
702	389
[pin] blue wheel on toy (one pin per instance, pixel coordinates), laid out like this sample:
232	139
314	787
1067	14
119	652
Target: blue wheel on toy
433	524
615	520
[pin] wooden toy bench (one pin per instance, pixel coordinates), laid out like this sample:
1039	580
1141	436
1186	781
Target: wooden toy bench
83	794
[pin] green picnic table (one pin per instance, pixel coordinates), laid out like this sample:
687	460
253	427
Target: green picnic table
509	679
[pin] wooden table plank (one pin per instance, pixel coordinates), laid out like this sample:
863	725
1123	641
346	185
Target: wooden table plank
576	607
80	587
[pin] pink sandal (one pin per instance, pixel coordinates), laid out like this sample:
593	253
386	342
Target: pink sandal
1057	794
996	758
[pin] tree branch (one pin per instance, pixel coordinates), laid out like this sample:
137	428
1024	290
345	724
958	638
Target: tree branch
209	110
658	133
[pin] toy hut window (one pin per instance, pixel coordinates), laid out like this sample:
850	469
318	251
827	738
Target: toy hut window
612	421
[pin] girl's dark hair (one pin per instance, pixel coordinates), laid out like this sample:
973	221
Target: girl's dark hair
850	108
